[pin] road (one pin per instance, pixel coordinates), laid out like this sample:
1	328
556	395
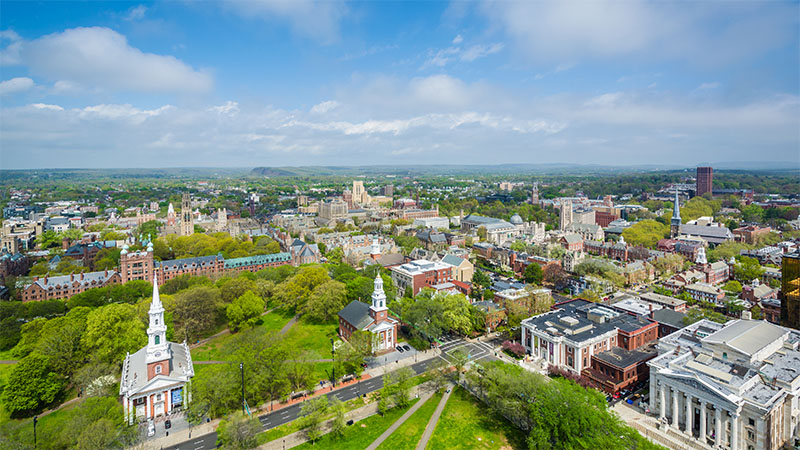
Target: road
477	351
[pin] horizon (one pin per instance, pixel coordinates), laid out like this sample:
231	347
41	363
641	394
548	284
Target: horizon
273	84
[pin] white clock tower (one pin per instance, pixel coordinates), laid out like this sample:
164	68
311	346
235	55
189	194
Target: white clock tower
157	345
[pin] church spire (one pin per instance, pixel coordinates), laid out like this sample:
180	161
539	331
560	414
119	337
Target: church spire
675	222
378	296
157	345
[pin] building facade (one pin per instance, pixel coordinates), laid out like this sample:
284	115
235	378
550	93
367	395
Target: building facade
420	273
705	178
358	316
790	291
155	379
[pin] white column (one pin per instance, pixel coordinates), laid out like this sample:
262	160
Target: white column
717	426
662	401
689	414
703	419
734	431
676	413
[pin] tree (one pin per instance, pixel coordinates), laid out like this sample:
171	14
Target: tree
752	213
313	412
456	314
30	386
533	274
756	313
335	255
554	274
747	270
239	431
233	288
300	372
112	331
645	233
480	278
245	310
295	291
196	311
518	246
482	233
694	208
734	308
326	301
733	286
339	423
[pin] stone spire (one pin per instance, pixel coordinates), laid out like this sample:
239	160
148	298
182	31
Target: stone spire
675	222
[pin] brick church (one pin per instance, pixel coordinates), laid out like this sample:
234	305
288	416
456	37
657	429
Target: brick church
154	379
375	319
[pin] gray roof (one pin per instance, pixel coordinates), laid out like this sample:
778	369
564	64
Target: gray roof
622	358
747	336
452	260
714	235
356	314
669	317
175	264
134	370
572	238
90	279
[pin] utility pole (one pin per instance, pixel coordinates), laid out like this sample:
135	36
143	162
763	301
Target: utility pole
35	419
241	368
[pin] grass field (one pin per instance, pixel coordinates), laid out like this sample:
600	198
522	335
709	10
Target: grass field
360	434
6	355
213	350
466	423
408	435
313	337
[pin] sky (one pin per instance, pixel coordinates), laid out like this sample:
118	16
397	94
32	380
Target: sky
293	83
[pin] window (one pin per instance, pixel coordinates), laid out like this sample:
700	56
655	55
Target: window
158	369
156	321
751	421
750	435
157	339
158	397
725	356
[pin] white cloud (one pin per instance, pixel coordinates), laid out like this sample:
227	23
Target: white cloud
229	108
479	51
705	33
458	39
322	108
10	35
15	85
442	57
47	107
102	58
318	20
65	87
136	13
708	86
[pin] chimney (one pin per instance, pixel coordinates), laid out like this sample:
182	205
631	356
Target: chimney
651	310
45	279
81	276
72	276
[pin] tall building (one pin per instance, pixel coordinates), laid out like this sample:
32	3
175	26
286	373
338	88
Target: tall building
705	176
388	190
566	214
790	291
360	195
535	194
171	219
187	220
154	378
675	222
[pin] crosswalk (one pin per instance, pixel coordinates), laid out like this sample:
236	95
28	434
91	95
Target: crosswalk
476	350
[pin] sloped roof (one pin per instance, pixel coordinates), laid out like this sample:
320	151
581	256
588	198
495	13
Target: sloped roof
356	313
453	260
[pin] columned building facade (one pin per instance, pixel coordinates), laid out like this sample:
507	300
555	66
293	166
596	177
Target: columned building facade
732	386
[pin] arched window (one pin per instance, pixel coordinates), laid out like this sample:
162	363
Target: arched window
724	356
158	339
158	369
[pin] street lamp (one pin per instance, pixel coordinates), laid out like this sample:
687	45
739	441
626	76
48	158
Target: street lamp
35	419
333	369
241	368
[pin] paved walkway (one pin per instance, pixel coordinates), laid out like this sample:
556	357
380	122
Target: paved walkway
66	403
426	436
290	324
399	421
9	361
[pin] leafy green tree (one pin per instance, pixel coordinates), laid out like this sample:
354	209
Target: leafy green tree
245	310
112	331
533	274
30	386
733	286
752	213
300	371
756	313
480	278
196	312
747	270
338	424
645	233
239	431
313	412
233	288
335	255
482	233
296	291
326	301
694	208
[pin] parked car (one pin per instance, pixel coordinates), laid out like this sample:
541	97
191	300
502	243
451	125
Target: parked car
399	349
407	348
167	424
616	395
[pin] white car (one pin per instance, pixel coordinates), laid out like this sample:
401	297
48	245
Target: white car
151	428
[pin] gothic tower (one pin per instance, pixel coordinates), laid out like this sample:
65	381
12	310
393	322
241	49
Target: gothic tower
158	352
675	222
566	214
187	220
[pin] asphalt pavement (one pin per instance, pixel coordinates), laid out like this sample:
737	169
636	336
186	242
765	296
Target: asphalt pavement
476	350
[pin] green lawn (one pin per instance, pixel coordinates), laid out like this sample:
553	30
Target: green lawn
408	435
6	355
466	423
213	349
360	434
294	426
313	337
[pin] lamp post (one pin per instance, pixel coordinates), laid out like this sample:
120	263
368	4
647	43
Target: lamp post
333	369
35	419
241	368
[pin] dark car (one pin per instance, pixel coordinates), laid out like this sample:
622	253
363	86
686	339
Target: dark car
167	424
407	348
399	349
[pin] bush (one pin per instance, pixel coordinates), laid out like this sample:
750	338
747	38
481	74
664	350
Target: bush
515	348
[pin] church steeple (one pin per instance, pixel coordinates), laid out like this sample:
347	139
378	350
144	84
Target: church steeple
675	222
378	296
157	346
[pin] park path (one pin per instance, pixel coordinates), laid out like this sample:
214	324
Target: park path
223	332
66	403
290	324
426	436
8	361
400	421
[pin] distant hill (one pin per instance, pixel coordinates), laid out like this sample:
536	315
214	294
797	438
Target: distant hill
272	172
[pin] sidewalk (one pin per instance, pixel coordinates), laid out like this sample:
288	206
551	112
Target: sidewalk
399	422
391	367
426	436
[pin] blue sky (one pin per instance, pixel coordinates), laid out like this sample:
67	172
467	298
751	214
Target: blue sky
254	83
